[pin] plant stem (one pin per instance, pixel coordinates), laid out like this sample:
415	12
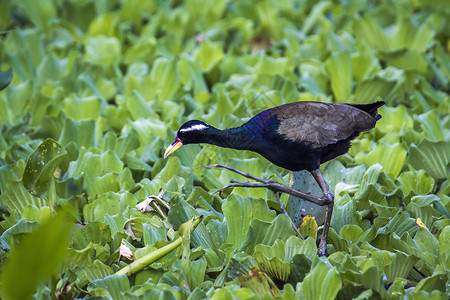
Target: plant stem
150	258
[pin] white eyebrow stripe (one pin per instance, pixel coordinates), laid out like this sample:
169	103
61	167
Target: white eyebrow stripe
194	127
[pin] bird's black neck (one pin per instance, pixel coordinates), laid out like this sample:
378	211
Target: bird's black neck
236	138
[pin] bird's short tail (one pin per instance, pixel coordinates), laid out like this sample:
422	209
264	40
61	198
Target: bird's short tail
371	108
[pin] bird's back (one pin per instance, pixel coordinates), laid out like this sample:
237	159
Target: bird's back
302	135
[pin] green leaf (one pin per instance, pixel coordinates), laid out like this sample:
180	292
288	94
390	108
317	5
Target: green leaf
309	227
5	78
266	233
33	213
430	122
40	13
295	245
6	175
208	54
165	74
17	198
437	282
339	66
82	133
391	157
371	278
383	85
323	282
51	68
181	212
22	226
75	259
416	181
394	119
409	60
427	209
36	258
278	260
412	35
170	169
367	28
397	288
82	108
191	75
97	270
344	213
13	101
272	261
102	50
363	64
336	173
300	267
109	203
315	16
239	212
94	232
138	106
103	184
400	266
351	233
149	129
399	224
444	244
428	244
160	291
113	286
338	242
433	157
94	165
42	164
259	283
270	65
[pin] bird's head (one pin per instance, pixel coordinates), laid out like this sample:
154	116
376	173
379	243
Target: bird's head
191	132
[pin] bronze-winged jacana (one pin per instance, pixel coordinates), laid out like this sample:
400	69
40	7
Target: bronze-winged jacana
295	136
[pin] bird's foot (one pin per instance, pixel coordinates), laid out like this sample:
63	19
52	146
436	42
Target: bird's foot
322	251
327	198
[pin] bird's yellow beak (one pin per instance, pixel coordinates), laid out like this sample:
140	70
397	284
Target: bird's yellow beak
173	147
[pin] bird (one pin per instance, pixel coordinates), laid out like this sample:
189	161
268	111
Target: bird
295	136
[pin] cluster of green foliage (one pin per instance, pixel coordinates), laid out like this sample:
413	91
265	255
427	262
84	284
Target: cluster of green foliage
99	88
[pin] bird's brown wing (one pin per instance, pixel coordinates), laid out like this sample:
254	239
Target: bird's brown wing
321	124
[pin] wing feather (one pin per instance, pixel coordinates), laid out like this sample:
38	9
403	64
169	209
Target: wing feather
321	124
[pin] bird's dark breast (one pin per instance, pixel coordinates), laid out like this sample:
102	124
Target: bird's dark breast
296	156
292	157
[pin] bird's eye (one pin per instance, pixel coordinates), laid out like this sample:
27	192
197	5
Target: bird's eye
181	133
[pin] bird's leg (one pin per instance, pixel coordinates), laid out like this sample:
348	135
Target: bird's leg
329	198
283	210
271	185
